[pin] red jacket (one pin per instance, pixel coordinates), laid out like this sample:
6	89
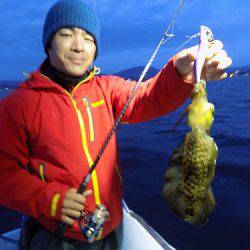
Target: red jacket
49	138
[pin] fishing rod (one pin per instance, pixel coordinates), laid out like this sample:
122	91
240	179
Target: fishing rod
61	228
118	120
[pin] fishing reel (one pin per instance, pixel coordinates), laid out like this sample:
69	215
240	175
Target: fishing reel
93	222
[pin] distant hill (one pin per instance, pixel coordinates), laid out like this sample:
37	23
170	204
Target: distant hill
131	73
9	84
241	71
135	72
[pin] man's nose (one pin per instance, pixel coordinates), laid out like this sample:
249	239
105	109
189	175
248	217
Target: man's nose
78	44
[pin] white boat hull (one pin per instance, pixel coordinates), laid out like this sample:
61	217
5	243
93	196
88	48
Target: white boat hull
133	234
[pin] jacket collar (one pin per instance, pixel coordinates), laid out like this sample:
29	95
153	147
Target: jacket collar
66	81
36	80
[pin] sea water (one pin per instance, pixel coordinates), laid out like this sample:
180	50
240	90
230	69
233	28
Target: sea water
145	149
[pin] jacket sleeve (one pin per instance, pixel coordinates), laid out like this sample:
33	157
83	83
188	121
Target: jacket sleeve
20	190
155	97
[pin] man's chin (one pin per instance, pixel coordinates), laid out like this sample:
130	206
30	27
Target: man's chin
77	72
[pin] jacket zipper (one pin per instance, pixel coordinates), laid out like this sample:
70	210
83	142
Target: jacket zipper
90	116
84	139
84	144
86	150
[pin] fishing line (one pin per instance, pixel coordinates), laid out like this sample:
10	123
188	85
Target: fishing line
187	41
169	35
61	228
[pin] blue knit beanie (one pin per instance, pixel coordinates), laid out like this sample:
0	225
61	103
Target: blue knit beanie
71	13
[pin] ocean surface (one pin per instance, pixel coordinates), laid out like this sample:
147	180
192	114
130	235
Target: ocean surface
145	149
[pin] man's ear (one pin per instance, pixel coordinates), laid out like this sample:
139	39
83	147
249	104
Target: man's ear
49	45
48	48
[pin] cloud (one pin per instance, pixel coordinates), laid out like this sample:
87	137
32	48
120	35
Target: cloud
130	29
130	12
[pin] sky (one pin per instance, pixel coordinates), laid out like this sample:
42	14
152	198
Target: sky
130	31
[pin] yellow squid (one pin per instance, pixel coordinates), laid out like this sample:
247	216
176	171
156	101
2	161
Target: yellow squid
192	165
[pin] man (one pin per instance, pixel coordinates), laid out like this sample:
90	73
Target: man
53	126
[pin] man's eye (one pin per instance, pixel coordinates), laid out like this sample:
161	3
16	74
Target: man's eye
89	39
65	35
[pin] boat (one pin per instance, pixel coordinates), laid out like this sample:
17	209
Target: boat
134	234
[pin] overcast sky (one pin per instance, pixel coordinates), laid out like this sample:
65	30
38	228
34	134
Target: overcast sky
130	31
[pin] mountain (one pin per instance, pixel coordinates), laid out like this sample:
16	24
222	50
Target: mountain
241	71
9	84
135	72
131	73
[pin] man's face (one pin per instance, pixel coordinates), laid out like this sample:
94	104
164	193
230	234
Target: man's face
72	51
